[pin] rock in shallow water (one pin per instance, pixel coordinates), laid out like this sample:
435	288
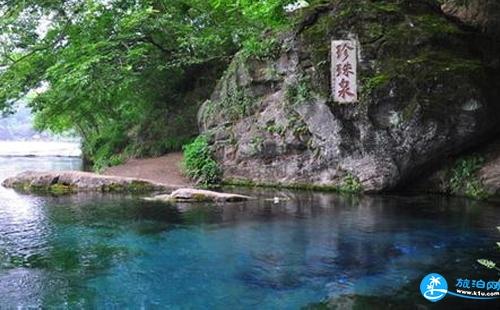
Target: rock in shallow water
199	195
65	182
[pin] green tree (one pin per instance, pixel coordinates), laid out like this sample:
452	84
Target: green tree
127	75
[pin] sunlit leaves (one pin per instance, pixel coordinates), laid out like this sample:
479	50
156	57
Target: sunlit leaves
114	66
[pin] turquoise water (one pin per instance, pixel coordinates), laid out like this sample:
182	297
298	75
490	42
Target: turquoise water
120	252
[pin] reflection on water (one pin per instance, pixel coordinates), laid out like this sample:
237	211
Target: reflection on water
92	251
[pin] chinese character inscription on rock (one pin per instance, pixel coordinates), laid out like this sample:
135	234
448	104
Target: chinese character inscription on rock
344	78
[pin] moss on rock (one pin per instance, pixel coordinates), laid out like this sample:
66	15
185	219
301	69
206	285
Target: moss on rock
62	183
418	72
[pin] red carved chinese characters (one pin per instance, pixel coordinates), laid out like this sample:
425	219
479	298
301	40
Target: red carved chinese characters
345	89
343	51
344	71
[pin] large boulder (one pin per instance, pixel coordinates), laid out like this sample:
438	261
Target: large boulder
427	89
67	182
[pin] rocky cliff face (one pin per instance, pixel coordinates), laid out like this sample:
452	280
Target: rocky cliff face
474	174
481	14
427	90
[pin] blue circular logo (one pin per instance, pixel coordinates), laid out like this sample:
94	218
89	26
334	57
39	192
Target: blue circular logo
434	287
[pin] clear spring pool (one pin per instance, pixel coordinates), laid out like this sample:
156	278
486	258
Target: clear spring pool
119	252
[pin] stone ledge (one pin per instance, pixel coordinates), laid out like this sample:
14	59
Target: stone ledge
199	195
67	182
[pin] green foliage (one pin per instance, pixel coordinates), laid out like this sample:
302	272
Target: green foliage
122	73
266	12
256	144
475	189
261	49
350	184
299	93
370	84
464	180
273	128
297	125
386	7
436	24
199	164
235	104
108	160
300	130
106	148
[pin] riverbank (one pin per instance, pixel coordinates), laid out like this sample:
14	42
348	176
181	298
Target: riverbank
136	175
459	177
165	170
67	182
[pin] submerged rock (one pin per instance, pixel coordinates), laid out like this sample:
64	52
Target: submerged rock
199	195
428	89
65	182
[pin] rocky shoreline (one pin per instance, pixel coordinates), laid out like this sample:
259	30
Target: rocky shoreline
73	182
67	182
272	119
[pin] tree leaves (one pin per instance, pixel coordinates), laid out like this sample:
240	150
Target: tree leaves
114	65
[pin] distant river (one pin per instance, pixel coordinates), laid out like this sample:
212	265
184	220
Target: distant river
39	149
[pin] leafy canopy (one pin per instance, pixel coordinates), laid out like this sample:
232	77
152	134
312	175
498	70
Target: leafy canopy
116	69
